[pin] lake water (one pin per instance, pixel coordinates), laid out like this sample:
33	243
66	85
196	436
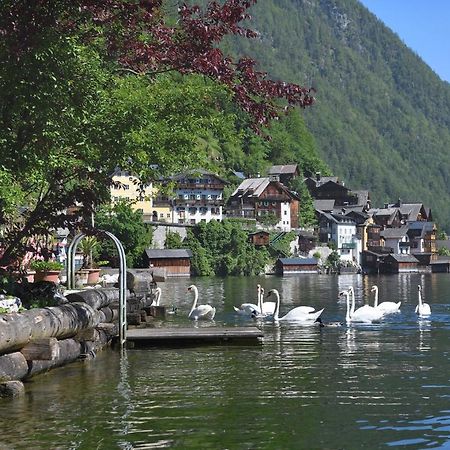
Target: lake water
384	385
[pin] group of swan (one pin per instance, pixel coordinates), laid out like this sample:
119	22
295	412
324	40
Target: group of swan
306	314
374	313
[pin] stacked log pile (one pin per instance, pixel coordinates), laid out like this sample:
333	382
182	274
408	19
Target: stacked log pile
40	339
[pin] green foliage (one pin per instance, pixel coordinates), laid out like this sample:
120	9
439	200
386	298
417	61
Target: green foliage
382	117
38	264
173	240
333	260
283	245
128	227
269	219
307	213
89	245
444	251
222	248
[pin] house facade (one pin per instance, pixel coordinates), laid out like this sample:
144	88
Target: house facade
257	198
284	173
198	197
175	262
396	239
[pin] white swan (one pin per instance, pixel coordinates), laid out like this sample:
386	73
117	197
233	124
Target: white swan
387	307
422	309
267	308
157	298
200	312
249	309
298	314
365	314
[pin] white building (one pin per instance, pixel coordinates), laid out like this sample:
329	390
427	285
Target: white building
198	197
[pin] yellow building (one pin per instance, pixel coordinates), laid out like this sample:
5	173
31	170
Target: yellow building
126	187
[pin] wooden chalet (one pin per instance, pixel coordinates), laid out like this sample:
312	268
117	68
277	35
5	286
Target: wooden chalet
284	173
256	198
286	266
176	262
306	241
259	238
396	263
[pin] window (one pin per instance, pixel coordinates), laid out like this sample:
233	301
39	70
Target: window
192	221
126	187
192	210
161	214
285	213
168	215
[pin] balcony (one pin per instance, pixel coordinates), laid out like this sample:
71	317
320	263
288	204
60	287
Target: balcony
348	245
196	202
203	186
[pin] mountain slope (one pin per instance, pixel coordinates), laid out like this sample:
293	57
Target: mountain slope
382	116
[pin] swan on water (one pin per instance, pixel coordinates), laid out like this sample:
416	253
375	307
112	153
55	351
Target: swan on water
200	312
298	314
387	307
250	309
157	298
267	308
365	314
422	309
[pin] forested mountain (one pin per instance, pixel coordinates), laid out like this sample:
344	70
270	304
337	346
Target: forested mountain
382	116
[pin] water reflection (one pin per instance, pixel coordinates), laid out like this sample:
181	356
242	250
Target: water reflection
354	386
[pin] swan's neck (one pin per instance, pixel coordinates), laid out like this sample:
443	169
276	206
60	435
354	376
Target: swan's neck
158	297
352	293
347	300
195	299
420	297
277	306
260	297
376	296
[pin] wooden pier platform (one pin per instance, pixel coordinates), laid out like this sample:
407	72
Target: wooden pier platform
193	336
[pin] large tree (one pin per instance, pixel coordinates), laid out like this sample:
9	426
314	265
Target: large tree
86	86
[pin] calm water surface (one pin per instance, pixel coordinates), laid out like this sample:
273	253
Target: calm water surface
385	385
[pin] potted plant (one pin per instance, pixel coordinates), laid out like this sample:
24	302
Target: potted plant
89	247
46	270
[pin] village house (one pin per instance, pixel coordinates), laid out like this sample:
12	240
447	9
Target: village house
198	197
284	174
422	236
257	198
412	212
396	239
259	238
341	230
175	262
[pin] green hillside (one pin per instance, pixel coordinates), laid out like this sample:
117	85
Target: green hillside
382	116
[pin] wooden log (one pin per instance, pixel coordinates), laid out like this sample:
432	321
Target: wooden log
140	280
158	311
108	314
134	318
69	351
16	330
46	348
96	298
13	388
89	334
13	366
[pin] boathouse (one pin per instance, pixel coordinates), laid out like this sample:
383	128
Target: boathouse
285	266
397	263
259	238
176	262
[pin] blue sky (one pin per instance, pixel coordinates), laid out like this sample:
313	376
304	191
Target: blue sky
423	25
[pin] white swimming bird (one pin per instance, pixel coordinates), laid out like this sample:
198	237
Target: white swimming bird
298	314
422	309
249	309
267	308
157	298
387	307
200	312
365	314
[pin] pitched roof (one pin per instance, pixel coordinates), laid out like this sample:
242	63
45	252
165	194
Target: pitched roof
251	187
283	169
324	205
298	261
394	233
363	197
403	258
196	172
168	253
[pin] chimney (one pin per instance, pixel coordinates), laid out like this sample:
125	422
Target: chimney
386	205
318	176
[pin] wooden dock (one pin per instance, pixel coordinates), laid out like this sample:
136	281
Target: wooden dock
193	336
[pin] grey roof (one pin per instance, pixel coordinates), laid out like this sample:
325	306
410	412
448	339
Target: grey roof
252	187
298	261
168	253
324	205
403	258
421	225
363	197
382	211
284	169
339	218
394	233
